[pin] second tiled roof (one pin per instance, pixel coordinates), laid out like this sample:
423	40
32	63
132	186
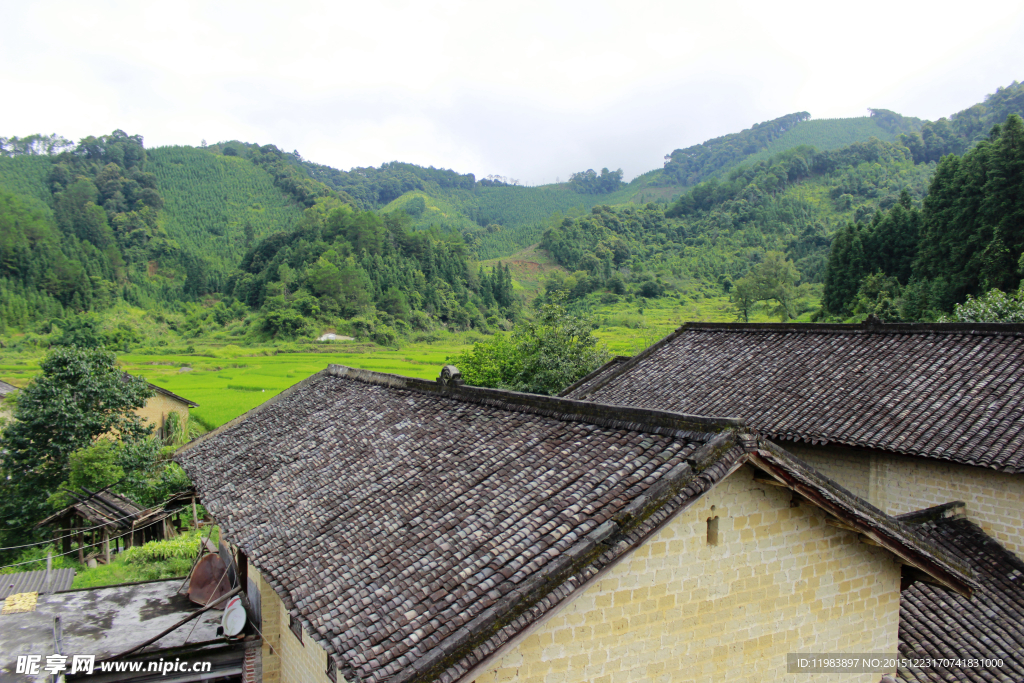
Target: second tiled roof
954	392
938	624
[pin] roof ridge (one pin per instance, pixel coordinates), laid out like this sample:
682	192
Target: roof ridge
697	427
868	326
161	390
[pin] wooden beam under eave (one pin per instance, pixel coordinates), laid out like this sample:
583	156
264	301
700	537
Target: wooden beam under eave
907	554
769	481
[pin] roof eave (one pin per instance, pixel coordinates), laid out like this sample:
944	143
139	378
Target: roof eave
942	572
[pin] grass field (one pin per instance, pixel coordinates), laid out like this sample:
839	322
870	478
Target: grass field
227	381
630	327
225	388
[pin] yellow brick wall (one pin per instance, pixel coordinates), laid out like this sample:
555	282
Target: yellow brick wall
158	408
678	609
285	659
270	608
899	484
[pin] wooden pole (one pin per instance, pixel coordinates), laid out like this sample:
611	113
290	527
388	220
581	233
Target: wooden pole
81	541
106	545
195	517
226	596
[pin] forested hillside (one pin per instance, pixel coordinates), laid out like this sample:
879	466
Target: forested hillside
968	237
84	234
371	270
219	205
790	202
87	226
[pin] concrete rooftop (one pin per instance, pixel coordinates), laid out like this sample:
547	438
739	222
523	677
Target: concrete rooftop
102	622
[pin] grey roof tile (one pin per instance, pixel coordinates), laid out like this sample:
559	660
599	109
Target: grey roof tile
414	529
953	392
939	624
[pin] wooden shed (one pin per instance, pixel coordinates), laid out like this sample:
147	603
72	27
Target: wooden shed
104	519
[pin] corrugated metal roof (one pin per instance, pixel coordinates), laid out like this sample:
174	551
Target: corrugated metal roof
29	582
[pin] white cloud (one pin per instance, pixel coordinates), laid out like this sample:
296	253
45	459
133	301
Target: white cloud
533	90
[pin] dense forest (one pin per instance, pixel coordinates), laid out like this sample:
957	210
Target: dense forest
967	238
89	238
918	214
340	262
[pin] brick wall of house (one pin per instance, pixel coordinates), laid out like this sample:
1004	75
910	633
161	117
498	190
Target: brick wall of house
679	609
290	661
271	608
899	484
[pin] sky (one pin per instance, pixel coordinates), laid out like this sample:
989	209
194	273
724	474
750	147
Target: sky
533	91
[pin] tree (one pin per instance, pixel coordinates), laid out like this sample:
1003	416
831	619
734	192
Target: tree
774	279
744	297
995	306
94	467
541	357
79	396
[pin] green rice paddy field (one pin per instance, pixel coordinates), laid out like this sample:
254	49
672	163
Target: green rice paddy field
227	381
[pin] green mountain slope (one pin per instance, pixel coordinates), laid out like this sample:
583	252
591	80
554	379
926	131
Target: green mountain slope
105	220
968	238
714	234
824	135
217	206
26	176
497	219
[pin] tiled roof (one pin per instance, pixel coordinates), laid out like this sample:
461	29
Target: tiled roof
413	529
583	385
165	392
953	392
35	581
939	624
5	389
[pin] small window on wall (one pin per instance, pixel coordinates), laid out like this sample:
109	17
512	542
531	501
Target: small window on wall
295	627
713	527
332	669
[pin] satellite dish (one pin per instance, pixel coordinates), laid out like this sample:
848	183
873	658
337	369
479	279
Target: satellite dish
233	619
209	581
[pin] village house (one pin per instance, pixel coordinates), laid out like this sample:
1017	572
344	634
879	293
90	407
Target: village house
907	416
157	410
159	407
394	529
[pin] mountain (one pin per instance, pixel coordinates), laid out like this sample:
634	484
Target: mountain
87	225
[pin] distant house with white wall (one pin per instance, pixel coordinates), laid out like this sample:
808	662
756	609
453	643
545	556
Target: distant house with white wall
6	390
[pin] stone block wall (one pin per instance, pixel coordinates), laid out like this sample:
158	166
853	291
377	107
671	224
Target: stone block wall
679	608
898	484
